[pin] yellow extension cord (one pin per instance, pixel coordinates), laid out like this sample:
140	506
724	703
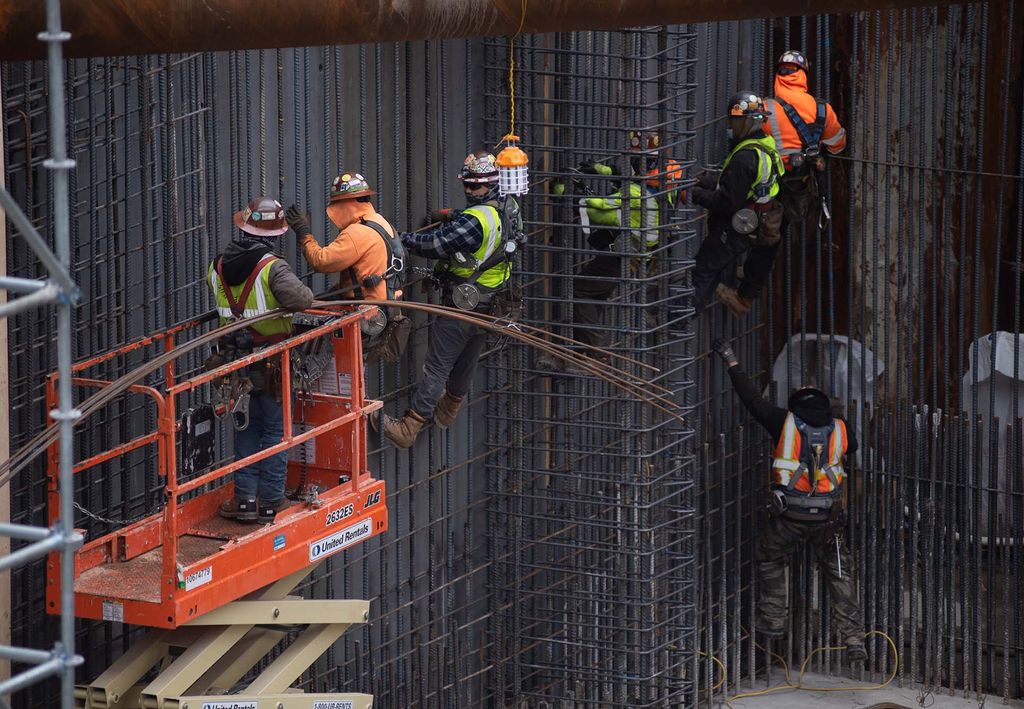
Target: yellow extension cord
788	684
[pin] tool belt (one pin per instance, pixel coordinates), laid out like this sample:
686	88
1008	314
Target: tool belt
804	508
760	222
390	343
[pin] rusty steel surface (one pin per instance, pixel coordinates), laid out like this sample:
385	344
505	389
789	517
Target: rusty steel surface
118	27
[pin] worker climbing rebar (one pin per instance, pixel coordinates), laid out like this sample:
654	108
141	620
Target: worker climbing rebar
602	219
248	279
366	254
805	504
805	130
745	214
474	249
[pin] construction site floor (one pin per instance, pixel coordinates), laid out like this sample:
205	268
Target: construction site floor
891	697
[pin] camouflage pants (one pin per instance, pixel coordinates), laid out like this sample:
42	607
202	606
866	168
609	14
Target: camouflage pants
774	549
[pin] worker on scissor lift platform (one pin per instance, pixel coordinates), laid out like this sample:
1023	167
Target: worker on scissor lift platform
248	280
474	248
602	218
366	253
805	503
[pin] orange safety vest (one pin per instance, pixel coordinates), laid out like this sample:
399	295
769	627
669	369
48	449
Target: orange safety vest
790	469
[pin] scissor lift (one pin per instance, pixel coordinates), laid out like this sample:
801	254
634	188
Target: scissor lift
216	590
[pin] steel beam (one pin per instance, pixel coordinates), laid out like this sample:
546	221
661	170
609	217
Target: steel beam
115	27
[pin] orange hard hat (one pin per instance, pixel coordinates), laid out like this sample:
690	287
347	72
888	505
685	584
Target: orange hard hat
673	174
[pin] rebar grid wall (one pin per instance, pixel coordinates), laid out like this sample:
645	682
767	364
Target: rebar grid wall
561	543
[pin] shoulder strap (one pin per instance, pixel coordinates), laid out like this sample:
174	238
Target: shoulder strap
384	235
238	306
810	135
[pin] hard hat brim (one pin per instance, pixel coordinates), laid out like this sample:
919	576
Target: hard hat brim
255	230
352	195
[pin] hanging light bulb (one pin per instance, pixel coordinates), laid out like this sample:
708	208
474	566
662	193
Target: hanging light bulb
513	173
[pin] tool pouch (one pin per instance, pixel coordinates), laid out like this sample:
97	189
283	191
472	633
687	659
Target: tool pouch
797	192
769	231
390	344
508	304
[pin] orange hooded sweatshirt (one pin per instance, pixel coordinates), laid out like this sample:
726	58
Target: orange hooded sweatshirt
792	88
356	248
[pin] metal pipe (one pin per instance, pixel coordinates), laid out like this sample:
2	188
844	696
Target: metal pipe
21	531
46	295
25	655
36	674
115	27
35	241
32	551
21	285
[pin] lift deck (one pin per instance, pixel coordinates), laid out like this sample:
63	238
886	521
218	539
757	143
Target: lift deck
185	567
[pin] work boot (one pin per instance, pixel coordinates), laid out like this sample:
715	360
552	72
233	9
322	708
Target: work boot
737	304
240	509
855	651
447	409
402	432
269	510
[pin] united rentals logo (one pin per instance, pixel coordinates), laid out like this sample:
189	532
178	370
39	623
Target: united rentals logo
230	705
339	540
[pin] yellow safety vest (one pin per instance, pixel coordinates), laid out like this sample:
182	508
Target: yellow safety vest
643	213
495	276
260	300
769	167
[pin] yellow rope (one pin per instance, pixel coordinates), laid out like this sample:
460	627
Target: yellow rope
512	71
788	684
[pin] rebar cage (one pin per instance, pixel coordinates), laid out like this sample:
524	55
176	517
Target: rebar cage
561	543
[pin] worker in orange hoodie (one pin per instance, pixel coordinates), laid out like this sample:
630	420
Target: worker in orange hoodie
805	129
366	253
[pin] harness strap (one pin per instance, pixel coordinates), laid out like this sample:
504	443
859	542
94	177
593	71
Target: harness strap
238	306
810	134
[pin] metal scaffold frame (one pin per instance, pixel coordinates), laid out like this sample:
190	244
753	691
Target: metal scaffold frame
59	288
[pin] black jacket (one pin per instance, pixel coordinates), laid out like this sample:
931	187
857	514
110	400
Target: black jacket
731	193
817	412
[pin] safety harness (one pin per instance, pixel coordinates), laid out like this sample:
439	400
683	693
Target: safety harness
238	306
394	274
818	466
466	294
810	134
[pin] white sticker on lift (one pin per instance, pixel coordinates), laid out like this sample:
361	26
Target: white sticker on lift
339	540
199	578
332	704
344	384
112	610
230	705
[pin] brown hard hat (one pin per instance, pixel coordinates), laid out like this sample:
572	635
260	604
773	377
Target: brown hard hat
350	185
263	216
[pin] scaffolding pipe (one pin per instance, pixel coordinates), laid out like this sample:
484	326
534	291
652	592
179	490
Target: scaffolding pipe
21	285
115	27
46	295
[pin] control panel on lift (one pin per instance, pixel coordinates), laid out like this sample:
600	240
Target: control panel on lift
185	560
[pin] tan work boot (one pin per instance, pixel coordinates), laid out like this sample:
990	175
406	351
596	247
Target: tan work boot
447	409
402	432
737	304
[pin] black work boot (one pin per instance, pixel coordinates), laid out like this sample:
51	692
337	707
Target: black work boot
269	510
240	509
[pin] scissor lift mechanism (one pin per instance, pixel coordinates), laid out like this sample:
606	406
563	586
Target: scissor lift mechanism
202	581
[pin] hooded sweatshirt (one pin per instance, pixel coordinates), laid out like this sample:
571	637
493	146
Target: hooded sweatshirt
792	88
240	258
817	411
730	194
357	248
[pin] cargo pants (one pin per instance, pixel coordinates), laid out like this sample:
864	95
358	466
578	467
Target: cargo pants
776	545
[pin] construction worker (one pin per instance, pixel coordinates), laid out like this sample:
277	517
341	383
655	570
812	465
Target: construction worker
745	214
367	255
803	127
602	220
247	280
805	503
472	247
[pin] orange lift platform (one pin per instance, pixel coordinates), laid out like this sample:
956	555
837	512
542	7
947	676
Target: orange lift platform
184	569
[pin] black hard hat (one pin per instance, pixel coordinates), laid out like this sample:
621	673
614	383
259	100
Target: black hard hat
795	58
747	104
805	395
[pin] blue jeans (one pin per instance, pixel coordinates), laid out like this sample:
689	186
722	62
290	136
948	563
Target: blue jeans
266	478
455	347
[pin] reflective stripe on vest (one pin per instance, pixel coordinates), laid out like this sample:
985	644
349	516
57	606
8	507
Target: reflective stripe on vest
769	168
261	300
773	123
493	277
787	461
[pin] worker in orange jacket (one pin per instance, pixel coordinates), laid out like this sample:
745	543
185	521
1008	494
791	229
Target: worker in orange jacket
366	253
805	129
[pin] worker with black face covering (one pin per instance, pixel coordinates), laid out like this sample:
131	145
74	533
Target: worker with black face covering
744	213
805	503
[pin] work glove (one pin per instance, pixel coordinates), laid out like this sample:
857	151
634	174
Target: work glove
298	221
706	181
437	216
590	167
723	350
